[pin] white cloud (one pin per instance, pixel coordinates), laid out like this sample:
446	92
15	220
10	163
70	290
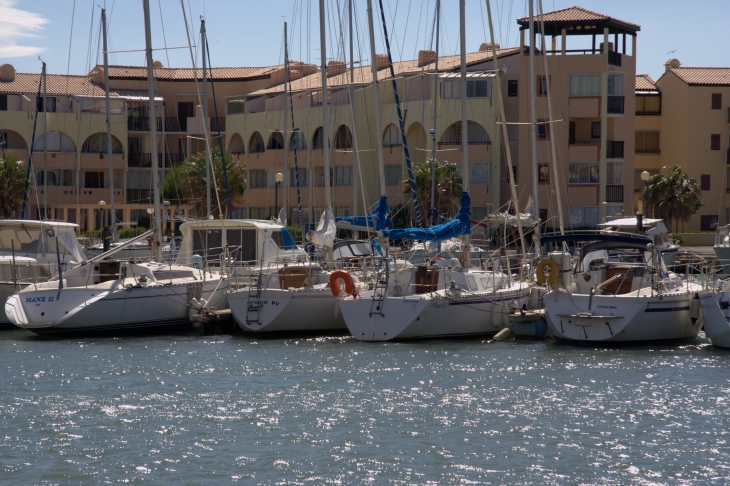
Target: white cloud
16	24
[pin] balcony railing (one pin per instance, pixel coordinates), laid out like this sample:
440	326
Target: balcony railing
616	104
140	160
142	124
614	193
172	124
214	127
171	159
614	150
138	196
614	58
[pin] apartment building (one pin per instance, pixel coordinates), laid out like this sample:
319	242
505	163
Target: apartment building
647	143
256	124
78	177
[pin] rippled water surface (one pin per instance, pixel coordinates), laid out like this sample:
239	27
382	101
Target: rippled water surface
218	409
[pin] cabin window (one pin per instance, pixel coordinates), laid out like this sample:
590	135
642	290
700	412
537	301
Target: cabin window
208	243
241	244
716	101
168	274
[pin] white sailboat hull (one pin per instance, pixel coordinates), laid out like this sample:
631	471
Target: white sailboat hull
617	319
430	315
302	310
716	318
89	309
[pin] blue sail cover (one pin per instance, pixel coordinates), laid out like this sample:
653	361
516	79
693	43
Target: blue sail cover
378	220
461	225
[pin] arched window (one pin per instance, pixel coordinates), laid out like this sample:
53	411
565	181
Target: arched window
237	146
12	140
318	139
57	142
256	145
391	137
298	139
97	144
343	138
276	141
476	134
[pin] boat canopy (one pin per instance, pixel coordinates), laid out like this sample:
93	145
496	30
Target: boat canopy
458	226
30	238
376	221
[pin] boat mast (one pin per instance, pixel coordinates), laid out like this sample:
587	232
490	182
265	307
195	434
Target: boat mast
533	120
205	117
113	218
435	114
464	125
355	153
325	109
284	205
157	250
45	144
505	133
376	101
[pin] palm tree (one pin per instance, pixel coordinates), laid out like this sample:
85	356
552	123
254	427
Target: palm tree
185	183
673	197
16	172
448	186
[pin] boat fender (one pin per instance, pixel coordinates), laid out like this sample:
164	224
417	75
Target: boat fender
540	272
503	335
345	276
694	308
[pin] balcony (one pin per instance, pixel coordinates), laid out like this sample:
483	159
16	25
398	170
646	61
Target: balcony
614	58
139	196
615	105
173	124
195	124
614	150
140	160
171	159
142	124
614	193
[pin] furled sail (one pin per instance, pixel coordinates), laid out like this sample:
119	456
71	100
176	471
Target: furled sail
326	230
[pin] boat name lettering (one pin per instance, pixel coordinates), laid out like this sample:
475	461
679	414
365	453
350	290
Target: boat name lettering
439	305
607	306
263	302
29	300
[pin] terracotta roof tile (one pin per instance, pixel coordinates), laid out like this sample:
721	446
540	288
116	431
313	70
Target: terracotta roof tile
703	75
187	74
645	83
57	84
402	68
577	14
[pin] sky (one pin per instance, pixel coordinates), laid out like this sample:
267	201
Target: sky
66	33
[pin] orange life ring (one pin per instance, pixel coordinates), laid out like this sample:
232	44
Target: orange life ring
436	259
335	283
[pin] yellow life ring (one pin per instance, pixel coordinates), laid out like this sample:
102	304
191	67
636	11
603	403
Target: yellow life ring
540	272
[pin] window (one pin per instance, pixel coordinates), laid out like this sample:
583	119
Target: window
393	175
614	173
705	182
343	138
585	85
392	137
139	179
256	145
343	175
276	141
476	88
595	129
715	142
50	104
512	87
716	101
647	142
94	180
479	173
542	86
303	177
614	210
583	173
57	142
583	216
318	139
3	102
543	130
298	141
708	222
543	174
615	84
649	104
257	178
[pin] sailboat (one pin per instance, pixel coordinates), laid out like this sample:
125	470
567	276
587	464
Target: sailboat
443	298
105	295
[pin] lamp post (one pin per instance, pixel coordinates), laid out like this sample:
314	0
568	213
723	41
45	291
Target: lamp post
279	179
105	233
645	177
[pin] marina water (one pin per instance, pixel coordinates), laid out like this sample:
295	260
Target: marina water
193	409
